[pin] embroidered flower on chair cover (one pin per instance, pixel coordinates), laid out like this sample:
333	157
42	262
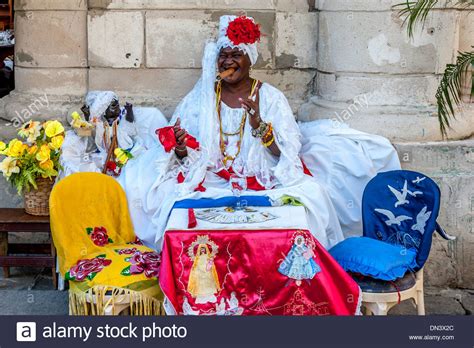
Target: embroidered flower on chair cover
137	241
243	30
87	268
147	262
99	236
126	251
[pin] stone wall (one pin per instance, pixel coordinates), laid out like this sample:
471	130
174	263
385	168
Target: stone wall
347	60
150	51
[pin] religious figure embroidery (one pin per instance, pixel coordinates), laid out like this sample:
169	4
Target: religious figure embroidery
225	306
299	264
203	279
300	305
233	305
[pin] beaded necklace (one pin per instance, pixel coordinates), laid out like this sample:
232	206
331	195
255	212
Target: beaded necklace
239	131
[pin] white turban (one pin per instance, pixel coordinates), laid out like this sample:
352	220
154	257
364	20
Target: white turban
99	101
224	41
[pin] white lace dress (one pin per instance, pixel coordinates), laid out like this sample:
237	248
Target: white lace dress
152	189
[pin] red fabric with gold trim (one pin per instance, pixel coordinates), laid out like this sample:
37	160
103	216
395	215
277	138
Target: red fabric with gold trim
253	272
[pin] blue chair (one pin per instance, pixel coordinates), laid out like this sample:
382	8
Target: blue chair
399	208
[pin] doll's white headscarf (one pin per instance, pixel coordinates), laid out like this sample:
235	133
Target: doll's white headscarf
99	101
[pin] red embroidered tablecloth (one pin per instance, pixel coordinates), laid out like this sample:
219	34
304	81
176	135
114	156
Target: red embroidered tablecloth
253	272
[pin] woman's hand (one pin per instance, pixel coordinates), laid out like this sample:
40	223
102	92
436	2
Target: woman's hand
180	135
253	110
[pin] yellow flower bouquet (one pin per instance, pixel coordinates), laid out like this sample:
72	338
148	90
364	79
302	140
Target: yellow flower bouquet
80	125
34	159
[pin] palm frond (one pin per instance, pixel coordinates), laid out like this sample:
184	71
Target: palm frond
415	12
448	95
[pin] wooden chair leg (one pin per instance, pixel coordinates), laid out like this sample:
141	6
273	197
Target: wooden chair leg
4	251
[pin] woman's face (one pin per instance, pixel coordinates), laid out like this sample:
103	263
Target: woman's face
234	58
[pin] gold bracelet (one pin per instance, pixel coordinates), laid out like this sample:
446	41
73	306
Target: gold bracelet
269	142
268	131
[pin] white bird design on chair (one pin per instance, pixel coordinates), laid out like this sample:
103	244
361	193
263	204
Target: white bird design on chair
392	220
421	219
418	180
400	196
414	193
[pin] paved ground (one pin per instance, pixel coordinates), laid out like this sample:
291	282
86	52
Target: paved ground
30	292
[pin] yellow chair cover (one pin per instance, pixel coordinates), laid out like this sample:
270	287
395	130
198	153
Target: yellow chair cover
97	248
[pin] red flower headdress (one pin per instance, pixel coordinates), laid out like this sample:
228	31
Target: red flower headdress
243	30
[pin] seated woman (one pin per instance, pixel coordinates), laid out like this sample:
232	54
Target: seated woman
128	128
246	128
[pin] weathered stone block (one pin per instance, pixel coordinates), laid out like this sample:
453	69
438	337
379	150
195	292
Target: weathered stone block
466	31
375	42
446	157
116	39
397	123
28	5
183	4
399	90
451	261
296	40
51	81
369	5
451	165
176	39
302	6
294	83
161	83
51	39
22	107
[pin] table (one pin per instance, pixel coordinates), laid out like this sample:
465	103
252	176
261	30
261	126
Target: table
33	255
274	267
288	217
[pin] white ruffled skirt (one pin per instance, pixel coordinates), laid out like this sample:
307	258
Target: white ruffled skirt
343	160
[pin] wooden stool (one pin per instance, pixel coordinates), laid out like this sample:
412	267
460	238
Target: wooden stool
16	220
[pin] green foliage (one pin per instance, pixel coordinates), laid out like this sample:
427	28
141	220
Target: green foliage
448	95
449	90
